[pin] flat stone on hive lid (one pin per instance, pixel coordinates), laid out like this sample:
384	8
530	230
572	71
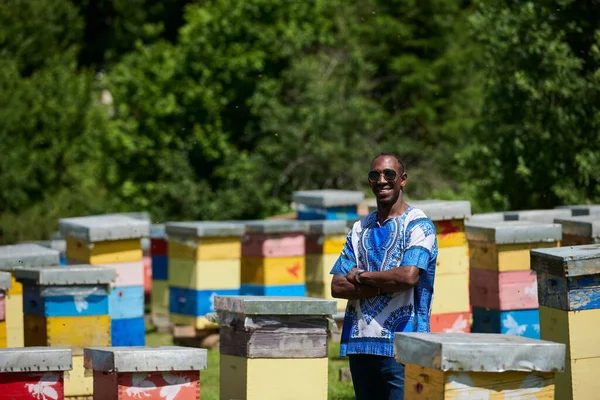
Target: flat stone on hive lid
567	261
275	305
5	281
442	210
328	197
507	232
145	359
479	352
276	226
98	228
33	359
27	255
587	226
82	274
583	209
204	229
327	227
546	216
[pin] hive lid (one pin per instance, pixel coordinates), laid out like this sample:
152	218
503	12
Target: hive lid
275	305
328	227
27	255
33	359
276	226
586	226
144	359
5	281
546	216
567	261
479	352
583	209
157	231
99	228
81	274
487	217
205	229
507	232
442	210
328	197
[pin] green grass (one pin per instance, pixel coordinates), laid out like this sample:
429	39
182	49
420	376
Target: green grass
209	379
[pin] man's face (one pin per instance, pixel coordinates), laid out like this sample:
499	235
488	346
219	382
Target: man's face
387	190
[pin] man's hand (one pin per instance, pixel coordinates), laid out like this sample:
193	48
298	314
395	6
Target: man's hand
352	276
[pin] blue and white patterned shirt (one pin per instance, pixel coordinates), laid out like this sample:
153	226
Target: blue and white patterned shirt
407	240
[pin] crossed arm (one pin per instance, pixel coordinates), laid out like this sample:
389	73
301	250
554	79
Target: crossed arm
374	283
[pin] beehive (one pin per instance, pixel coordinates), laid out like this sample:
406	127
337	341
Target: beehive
503	290
453	366
580	230
327	204
21	255
267	343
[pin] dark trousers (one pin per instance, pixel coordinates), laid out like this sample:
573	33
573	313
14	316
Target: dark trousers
376	377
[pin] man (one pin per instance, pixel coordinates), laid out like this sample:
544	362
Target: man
386	271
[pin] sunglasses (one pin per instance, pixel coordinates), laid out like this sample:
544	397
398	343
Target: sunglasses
388	174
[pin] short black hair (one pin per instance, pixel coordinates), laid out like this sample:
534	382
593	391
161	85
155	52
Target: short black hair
397	157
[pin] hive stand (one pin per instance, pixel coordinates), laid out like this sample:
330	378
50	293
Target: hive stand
273	258
580	230
11	257
273	347
569	295
114	241
33	373
149	373
67	306
502	287
453	366
328	204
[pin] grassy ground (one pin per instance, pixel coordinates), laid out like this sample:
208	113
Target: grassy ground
209	379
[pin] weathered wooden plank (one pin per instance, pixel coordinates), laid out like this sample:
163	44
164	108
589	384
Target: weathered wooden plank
567	261
569	294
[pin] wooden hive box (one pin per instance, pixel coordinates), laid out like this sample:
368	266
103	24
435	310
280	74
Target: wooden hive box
273	258
5	285
569	295
33	373
503	289
152	373
577	231
450	366
12	257
328	204
203	261
267	343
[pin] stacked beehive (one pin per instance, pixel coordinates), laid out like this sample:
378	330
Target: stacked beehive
581	230
450	310
5	284
324	243
11	257
160	273
273	348
458	366
568	287
503	289
33	373
204	261
327	204
67	306
273	258
161	373
114	241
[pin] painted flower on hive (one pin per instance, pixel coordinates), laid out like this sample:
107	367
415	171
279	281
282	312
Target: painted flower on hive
140	387
461	387
459	326
176	383
531	291
80	303
45	389
513	327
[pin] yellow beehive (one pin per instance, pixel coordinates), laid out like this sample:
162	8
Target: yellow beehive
205	248
103	252
204	275
75	332
273	270
160	297
478	366
79	382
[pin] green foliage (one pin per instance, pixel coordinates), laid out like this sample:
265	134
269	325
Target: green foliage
537	143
